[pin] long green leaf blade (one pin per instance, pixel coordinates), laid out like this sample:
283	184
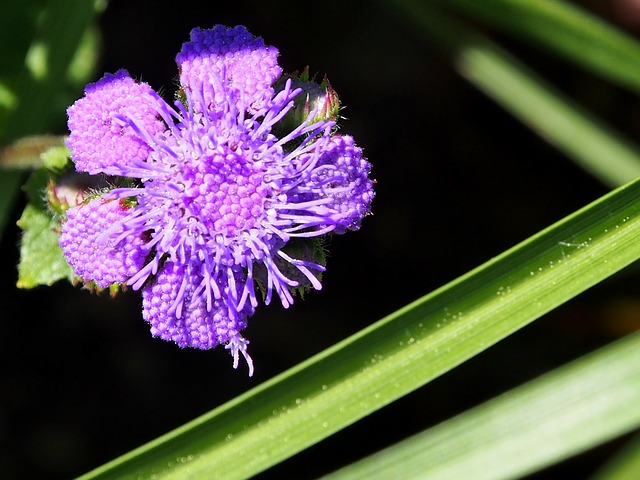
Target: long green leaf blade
625	465
561	122
567	30
552	418
412	346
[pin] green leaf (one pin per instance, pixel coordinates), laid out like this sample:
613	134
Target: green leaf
552	418
8	100
625	465
35	188
56	158
399	353
27	152
36	90
41	258
30	100
581	136
83	65
567	30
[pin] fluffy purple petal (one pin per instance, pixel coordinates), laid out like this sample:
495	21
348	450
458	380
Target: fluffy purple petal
93	256
100	141
342	174
231	56
176	312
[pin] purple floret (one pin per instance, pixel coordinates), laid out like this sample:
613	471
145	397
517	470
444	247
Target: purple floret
339	181
95	257
216	194
231	56
176	312
99	140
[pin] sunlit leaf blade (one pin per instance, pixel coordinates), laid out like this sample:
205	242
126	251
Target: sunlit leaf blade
83	65
552	418
594	146
625	465
581	136
398	354
567	30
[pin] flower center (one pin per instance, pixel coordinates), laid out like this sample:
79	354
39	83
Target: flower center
224	190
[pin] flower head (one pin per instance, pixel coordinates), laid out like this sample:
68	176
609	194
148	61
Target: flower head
99	258
217	195
232	54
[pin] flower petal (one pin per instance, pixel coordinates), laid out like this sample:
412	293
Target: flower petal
232	56
175	314
93	256
100	141
342	174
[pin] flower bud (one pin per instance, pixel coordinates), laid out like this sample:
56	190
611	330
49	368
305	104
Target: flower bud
319	99
69	190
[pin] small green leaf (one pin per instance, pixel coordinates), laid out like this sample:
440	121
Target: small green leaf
41	259
56	158
83	65
8	99
27	152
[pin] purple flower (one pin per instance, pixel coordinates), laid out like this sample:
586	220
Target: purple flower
217	194
103	259
235	55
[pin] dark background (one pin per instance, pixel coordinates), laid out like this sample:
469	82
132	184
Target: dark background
459	181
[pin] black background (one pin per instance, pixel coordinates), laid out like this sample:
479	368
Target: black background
459	181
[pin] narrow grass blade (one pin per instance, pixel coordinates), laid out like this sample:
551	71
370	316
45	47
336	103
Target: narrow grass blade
561	414
566	30
398	354
574	131
625	465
